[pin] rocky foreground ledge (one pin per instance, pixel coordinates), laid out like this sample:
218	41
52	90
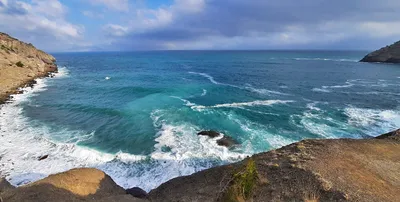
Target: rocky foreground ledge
310	170
20	65
388	54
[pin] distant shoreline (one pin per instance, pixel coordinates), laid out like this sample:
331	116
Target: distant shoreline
20	65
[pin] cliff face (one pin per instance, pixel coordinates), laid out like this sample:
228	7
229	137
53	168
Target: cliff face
388	54
310	170
21	63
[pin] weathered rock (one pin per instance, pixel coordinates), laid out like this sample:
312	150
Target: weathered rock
388	54
394	135
83	184
310	170
120	198
41	158
137	192
209	133
5	185
227	141
21	63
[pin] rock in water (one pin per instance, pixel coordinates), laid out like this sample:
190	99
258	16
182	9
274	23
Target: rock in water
388	54
227	141
43	157
209	133
137	192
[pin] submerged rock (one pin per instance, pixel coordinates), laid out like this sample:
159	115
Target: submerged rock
137	192
210	133
227	141
388	54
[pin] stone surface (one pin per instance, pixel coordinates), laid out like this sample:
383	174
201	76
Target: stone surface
227	141
210	133
5	185
32	64
84	184
310	170
137	192
388	54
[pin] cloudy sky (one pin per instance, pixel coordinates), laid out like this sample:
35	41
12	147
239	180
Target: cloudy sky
113	25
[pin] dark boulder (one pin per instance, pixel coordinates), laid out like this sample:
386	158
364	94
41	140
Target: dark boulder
137	192
210	133
227	141
41	158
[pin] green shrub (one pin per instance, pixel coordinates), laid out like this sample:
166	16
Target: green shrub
19	64
243	183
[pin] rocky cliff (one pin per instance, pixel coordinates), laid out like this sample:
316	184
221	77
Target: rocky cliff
310	170
388	54
20	64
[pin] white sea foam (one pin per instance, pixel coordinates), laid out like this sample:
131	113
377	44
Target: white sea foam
327	59
208	77
347	85
258	137
246	87
23	142
62	72
373	118
187	102
204	92
245	104
321	90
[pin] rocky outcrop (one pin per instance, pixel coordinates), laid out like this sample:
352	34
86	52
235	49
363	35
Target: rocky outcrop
388	54
83	184
310	170
137	192
225	141
209	133
20	64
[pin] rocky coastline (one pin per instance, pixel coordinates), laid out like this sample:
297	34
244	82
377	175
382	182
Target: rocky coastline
388	54
310	170
20	64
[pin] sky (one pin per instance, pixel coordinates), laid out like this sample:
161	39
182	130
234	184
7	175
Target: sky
128	25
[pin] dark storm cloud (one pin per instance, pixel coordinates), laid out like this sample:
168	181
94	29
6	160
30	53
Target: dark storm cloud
238	18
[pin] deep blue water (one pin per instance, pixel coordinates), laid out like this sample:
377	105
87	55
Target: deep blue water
135	115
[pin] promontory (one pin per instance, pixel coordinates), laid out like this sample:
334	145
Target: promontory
20	65
388	54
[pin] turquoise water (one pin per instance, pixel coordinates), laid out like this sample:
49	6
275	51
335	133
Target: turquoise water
135	115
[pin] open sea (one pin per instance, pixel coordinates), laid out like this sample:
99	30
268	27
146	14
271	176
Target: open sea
135	115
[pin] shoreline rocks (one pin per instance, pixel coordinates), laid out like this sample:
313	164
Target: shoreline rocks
225	141
137	192
20	65
209	133
309	170
388	54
